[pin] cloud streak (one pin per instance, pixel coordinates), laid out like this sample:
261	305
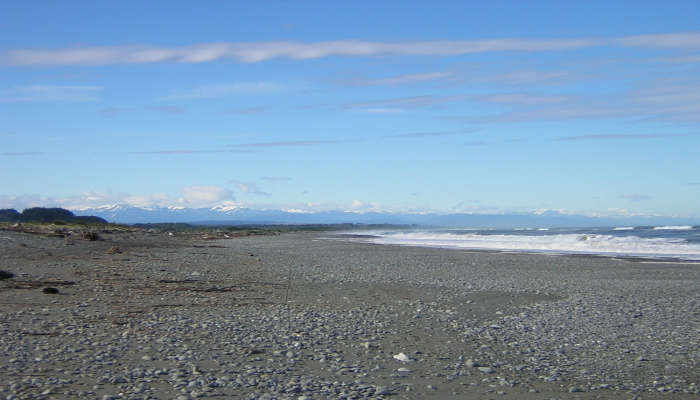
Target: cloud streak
614	137
21	153
251	188
635	198
415	135
402	79
398	104
287	143
263	51
224	90
185	151
49	93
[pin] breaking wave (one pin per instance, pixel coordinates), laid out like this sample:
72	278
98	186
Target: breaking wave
565	243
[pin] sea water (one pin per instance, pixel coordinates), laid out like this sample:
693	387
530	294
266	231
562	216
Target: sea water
654	242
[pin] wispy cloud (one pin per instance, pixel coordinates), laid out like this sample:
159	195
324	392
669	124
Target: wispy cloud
168	109
614	137
248	111
111	111
692	59
185	151
49	93
250	188
684	40
224	90
430	134
398	104
526	77
523	99
675	101
287	143
635	198
401	79
21	153
276	178
263	51
561	112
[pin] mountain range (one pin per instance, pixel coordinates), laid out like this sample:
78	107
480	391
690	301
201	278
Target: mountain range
242	216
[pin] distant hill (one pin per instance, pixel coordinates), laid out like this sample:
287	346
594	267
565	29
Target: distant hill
40	214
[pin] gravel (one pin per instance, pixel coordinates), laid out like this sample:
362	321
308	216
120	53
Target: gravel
300	316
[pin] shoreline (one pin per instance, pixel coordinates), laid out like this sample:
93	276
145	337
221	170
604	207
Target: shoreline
289	316
366	239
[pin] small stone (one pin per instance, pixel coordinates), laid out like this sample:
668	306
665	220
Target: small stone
486	370
382	391
402	357
49	290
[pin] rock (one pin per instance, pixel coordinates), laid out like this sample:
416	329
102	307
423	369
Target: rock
486	370
402	357
49	290
471	363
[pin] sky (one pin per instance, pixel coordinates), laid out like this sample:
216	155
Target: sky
582	107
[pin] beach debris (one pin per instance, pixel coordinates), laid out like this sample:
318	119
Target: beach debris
24	284
91	236
367	345
402	357
114	250
49	290
6	274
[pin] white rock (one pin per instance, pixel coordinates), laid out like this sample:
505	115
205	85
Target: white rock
402	357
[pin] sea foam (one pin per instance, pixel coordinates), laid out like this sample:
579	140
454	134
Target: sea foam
568	243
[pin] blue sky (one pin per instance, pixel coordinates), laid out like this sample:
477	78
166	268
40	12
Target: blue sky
501	106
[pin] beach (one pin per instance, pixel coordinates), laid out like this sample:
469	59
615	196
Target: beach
312	315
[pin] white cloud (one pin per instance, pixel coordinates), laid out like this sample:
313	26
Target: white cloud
263	51
49	93
192	197
204	196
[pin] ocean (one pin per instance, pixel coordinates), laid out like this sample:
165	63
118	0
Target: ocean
652	242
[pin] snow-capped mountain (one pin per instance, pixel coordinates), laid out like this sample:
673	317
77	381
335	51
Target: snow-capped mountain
236	215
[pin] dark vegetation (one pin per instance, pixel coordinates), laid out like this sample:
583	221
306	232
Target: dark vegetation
57	216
